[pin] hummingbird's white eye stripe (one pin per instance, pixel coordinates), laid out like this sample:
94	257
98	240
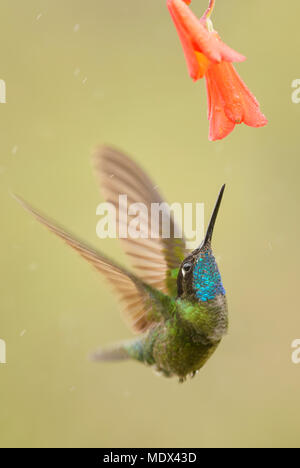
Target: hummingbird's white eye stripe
186	268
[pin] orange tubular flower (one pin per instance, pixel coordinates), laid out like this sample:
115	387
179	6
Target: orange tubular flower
229	100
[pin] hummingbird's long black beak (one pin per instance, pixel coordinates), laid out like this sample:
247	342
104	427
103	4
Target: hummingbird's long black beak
211	225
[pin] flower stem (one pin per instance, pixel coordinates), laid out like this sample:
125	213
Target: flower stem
209	10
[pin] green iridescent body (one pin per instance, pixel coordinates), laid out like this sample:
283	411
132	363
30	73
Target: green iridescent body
183	343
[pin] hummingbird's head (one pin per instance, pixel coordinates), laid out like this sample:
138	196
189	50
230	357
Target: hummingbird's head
199	277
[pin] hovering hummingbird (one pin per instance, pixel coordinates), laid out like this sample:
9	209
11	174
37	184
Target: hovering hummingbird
176	302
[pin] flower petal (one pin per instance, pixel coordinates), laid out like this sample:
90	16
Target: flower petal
189	53
203	64
240	103
228	54
253	117
201	39
220	125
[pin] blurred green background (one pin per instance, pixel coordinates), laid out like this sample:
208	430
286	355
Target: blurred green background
80	73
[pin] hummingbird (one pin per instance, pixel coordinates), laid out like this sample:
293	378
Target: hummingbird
175	301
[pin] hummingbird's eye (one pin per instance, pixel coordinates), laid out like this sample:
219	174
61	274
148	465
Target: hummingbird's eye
186	268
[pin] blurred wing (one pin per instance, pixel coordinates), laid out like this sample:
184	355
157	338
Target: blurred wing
156	259
143	305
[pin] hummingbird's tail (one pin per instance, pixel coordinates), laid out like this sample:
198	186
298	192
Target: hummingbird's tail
110	354
120	352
